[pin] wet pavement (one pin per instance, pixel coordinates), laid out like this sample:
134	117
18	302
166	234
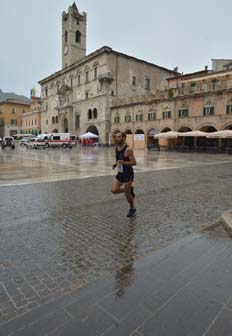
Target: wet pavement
70	259
183	289
25	166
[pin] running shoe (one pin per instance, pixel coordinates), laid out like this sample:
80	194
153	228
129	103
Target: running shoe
131	212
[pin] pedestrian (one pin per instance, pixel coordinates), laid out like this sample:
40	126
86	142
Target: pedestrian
125	160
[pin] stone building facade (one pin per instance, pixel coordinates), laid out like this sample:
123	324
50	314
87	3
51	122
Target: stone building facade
81	94
11	112
197	101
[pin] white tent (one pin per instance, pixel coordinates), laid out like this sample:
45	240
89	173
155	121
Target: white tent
88	135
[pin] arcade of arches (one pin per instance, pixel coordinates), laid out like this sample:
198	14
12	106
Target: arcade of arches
145	139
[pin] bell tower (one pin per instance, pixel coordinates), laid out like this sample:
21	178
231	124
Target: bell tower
73	35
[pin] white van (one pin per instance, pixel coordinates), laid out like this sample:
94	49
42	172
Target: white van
64	140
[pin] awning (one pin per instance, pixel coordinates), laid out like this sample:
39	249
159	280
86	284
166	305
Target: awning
220	134
167	135
193	134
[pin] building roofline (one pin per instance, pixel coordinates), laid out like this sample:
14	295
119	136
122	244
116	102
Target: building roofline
221	59
143	61
200	74
104	49
12	101
192	74
30	112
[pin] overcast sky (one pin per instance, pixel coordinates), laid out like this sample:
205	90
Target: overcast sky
170	33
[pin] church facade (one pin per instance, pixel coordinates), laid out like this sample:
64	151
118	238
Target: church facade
79	97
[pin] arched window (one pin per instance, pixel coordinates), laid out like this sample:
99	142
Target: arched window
90	114
78	36
53	120
87	76
56	119
95	113
95	71
66	36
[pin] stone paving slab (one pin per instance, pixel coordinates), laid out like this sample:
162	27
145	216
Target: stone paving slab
140	301
57	238
222	324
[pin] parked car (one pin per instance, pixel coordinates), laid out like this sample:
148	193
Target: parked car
8	141
35	143
24	141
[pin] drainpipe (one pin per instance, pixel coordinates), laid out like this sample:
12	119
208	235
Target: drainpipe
116	71
133	135
116	94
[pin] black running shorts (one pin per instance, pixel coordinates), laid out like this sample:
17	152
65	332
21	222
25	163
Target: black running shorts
123	178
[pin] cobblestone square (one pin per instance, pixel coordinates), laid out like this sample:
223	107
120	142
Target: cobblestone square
59	236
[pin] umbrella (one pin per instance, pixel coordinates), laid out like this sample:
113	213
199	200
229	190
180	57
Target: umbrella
192	134
166	135
88	135
220	134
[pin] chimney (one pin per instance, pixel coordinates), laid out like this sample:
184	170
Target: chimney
206	67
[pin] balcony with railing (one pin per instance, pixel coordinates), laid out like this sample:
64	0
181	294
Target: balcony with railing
105	77
202	88
63	103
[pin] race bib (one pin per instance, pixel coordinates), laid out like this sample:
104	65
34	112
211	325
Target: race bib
120	168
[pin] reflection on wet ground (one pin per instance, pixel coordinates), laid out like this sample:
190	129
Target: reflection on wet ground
26	166
182	289
58	238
